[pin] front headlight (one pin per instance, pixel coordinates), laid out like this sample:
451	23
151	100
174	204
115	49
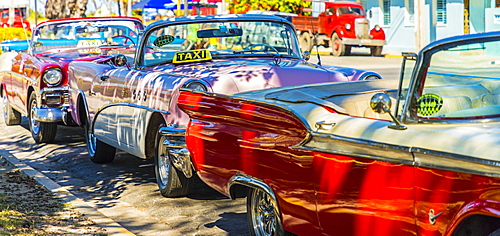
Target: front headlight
197	86
52	76
347	26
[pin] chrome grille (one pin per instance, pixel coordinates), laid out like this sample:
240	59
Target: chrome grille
362	28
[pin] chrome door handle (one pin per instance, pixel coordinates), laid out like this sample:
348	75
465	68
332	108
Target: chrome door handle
323	125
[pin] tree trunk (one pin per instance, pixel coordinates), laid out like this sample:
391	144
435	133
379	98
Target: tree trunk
56	9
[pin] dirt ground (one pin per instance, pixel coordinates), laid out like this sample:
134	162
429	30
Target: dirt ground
27	208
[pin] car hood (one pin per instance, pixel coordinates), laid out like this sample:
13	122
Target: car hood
248	74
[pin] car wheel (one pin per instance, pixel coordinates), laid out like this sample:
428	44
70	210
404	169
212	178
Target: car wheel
171	182
99	152
42	132
263	214
305	42
347	50
376	51
11	116
338	47
495	233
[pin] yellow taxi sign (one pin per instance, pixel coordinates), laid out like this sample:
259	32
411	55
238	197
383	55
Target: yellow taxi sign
192	56
89	43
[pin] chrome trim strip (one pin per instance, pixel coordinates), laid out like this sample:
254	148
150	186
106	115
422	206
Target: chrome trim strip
130	105
358	148
454	162
248	181
414	156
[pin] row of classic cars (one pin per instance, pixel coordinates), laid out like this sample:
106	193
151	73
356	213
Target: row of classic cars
130	102
418	156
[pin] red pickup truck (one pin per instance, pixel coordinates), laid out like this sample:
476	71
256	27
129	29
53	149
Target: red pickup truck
341	26
19	20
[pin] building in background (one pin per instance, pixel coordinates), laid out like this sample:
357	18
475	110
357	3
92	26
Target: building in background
412	24
20	5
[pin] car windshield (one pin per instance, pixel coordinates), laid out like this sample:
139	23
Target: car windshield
221	39
462	82
350	11
86	34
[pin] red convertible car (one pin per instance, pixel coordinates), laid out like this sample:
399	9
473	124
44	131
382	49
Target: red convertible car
125	102
418	156
35	83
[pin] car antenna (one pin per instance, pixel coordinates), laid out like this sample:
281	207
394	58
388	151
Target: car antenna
315	40
24	28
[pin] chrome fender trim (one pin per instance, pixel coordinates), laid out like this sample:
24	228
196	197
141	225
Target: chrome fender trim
175	143
248	181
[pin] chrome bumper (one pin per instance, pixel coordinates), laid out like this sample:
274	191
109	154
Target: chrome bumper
363	42
50	114
55	105
175	143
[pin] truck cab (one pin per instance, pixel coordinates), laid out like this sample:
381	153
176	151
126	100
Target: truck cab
19	19
341	26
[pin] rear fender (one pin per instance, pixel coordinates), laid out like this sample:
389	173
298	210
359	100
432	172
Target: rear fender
248	181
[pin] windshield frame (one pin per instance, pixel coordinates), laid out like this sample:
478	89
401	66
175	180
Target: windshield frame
409	115
138	29
140	61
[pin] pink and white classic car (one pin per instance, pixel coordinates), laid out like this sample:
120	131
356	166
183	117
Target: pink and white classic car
339	159
131	103
35	83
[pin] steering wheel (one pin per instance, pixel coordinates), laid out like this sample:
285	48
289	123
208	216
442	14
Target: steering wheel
265	45
127	38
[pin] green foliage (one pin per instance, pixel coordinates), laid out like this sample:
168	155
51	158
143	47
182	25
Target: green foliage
9	217
291	6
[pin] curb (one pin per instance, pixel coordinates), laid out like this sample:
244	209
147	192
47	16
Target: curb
111	227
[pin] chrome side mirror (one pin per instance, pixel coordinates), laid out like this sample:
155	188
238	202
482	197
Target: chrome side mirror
306	55
381	103
121	60
37	44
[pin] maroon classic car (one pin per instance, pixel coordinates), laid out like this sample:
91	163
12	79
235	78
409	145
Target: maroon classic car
124	103
35	83
341	159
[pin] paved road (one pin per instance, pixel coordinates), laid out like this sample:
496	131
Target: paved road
125	189
388	66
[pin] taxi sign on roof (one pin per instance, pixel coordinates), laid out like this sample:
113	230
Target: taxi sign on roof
192	56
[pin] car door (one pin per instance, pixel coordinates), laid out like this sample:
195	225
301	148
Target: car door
113	122
363	189
20	80
129	98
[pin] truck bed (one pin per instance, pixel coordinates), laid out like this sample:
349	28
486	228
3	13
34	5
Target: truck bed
308	23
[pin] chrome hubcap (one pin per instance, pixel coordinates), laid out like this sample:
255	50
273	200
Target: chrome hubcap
163	163
264	214
91	139
35	125
4	106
